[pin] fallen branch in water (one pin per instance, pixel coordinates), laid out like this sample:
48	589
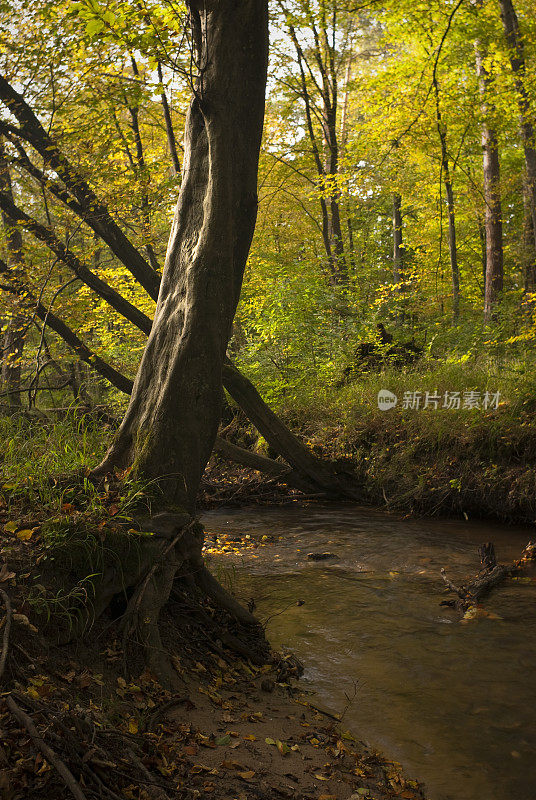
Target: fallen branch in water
490	576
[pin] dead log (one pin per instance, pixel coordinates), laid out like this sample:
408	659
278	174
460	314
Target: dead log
317	473
282	473
490	576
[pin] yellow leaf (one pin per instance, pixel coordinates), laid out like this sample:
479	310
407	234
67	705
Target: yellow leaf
25	534
133	725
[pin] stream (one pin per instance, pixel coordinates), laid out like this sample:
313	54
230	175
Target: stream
454	702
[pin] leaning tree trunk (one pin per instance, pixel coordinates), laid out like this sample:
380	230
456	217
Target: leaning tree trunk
171	424
170	427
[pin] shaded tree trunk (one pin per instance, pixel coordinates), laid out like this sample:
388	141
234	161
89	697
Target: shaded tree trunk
78	195
492	194
171	424
143	175
12	341
529	250
514	40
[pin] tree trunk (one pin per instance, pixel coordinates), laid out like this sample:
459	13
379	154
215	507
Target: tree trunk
447	178
12	342
492	194
79	196
328	166
398	246
143	175
171	424
334	193
529	250
170	132
312	471
12	346
514	40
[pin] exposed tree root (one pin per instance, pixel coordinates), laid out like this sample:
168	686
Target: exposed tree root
491	575
170	564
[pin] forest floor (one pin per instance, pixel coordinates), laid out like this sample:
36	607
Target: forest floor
117	731
76	721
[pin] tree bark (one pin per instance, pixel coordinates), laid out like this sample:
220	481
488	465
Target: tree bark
12	342
143	175
514	40
529	249
492	193
171	424
63	253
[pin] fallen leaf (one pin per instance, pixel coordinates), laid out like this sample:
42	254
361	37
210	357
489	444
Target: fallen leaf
231	765
5	574
25	534
22	619
247	776
283	748
10	527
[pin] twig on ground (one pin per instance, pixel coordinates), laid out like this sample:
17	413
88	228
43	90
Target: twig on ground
62	770
7	628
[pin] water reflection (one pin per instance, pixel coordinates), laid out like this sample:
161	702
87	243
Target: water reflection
453	702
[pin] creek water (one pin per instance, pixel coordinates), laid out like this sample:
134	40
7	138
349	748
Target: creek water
454	702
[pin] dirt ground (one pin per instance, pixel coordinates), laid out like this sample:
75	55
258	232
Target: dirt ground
252	743
236	732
